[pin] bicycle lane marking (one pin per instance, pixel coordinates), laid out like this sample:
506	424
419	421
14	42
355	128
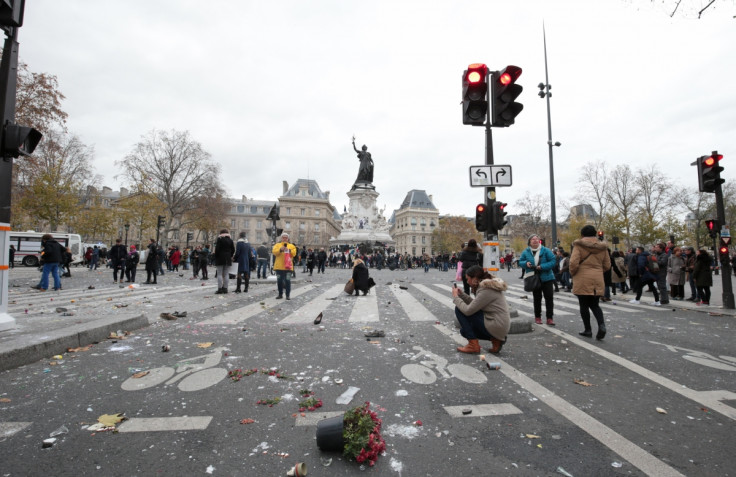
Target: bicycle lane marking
629	451
242	314
309	311
707	399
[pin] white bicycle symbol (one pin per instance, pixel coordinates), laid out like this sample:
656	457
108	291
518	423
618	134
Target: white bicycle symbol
194	377
423	374
724	363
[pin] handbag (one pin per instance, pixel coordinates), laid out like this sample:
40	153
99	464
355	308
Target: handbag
532	283
350	287
251	261
288	264
459	274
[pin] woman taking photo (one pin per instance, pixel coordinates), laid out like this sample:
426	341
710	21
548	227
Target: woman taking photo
485	317
588	261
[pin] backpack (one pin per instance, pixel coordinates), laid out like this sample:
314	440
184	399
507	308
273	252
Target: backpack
653	265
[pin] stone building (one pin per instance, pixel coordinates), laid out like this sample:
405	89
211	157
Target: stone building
307	215
412	224
249	215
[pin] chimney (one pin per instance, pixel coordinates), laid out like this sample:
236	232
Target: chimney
327	194
123	192
430	198
286	187
106	190
245	198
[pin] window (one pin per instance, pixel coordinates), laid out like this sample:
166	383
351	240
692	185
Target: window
288	211
413	250
232	223
303	212
413	220
241	209
316	239
287	225
424	250
302	226
266	210
316	227
316	212
259	236
423	222
424	239
259	224
246	224
413	239
253	209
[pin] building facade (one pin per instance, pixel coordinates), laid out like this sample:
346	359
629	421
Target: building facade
412	224
307	215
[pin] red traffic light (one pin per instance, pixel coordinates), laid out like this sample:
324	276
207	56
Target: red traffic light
711	224
480	208
723	250
709	161
510	74
476	73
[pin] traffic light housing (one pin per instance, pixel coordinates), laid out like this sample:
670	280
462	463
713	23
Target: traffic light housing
475	94
723	250
160	222
19	140
504	92
709	172
190	236
600	235
499	215
481	218
713	226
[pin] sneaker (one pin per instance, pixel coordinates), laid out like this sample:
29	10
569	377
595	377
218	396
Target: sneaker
634	301
538	320
279	297
656	303
550	322
705	303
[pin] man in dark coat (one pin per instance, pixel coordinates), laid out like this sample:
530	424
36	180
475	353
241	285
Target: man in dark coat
151	262
224	251
117	254
52	256
243	254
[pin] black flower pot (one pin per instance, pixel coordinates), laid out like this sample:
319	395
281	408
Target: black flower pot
329	434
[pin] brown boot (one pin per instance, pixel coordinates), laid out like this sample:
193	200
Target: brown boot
471	348
497	345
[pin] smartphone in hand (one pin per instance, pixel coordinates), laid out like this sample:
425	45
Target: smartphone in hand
454	285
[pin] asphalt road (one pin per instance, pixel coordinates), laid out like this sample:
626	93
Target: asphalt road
656	397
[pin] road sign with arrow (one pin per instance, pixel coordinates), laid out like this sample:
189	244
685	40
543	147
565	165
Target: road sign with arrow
497	175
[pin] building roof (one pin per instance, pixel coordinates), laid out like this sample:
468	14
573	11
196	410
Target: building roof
313	190
417	199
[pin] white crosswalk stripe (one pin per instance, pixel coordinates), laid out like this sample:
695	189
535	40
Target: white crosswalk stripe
242	314
308	312
365	309
444	298
412	307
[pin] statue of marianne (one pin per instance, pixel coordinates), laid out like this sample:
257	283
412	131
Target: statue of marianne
365	171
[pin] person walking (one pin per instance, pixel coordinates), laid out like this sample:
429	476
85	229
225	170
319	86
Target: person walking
470	255
51	255
151	262
95	258
11	256
66	262
690	267
243	253
646	275
588	262
537	258
484	317
194	259
284	255
702	276
117	256
618	272
321	260
676	274
262	254
175	259
224	251
131	264
204	260
660	253
311	259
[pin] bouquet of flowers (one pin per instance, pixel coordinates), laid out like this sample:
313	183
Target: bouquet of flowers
362	435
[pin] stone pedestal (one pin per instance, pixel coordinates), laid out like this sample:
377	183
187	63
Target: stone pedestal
363	222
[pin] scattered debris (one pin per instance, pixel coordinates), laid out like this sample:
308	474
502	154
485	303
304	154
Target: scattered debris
180	314
347	396
532	436
562	471
48	442
78	349
581	382
269	402
418	423
403	287
467	411
247	421
375	334
140	374
661	411
205	345
318	320
165	348
4	399
493	366
61	310
167	316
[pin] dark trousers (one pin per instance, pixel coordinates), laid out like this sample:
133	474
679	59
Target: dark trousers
130	274
472	327
150	273
590	303
547	291
115	269
640	287
704	293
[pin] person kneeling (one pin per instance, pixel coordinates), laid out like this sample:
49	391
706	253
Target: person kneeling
487	315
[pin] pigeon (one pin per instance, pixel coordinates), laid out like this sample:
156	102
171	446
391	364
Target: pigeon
318	320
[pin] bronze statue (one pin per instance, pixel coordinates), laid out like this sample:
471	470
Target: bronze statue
365	171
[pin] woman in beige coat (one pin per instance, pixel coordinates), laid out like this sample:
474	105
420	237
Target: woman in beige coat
487	316
588	261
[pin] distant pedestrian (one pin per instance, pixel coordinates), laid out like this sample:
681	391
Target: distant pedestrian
647	275
284	254
51	256
537	258
676	269
660	254
204	259
118	254
311	259
151	262
131	264
224	251
262	257
66	263
94	258
702	275
175	259
243	254
11	256
321	260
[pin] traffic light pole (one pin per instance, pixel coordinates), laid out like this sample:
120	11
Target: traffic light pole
490	198
727	296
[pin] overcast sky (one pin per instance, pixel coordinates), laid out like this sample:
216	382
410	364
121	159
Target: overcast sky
275	90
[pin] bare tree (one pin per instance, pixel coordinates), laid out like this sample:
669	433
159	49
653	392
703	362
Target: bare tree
533	217
174	168
594	185
623	193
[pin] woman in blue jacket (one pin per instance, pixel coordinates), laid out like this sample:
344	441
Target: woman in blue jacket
538	259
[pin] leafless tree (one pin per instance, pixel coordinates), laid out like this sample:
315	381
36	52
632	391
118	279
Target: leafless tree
623	193
593	187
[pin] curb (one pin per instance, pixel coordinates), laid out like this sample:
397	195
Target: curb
521	325
31	348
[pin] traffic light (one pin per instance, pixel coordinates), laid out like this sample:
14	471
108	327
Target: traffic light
709	172
499	216
19	140
600	235
475	97
713	226
160	222
190	236
481	218
503	93
723	250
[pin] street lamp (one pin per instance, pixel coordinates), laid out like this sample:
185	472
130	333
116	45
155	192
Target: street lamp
127	227
544	92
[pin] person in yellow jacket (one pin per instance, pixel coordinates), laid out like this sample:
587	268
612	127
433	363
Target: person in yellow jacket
283	266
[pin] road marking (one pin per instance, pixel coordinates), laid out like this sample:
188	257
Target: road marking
708	399
638	457
242	314
412	307
365	309
312	418
480	410
154	424
308	312
7	429
442	298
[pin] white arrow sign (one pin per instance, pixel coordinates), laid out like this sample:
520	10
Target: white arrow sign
498	175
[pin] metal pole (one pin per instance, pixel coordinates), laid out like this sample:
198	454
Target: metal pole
553	212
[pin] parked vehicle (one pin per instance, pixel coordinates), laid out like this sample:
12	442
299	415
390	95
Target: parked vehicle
28	245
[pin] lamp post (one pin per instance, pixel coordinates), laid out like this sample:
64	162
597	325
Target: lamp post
127	227
544	92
